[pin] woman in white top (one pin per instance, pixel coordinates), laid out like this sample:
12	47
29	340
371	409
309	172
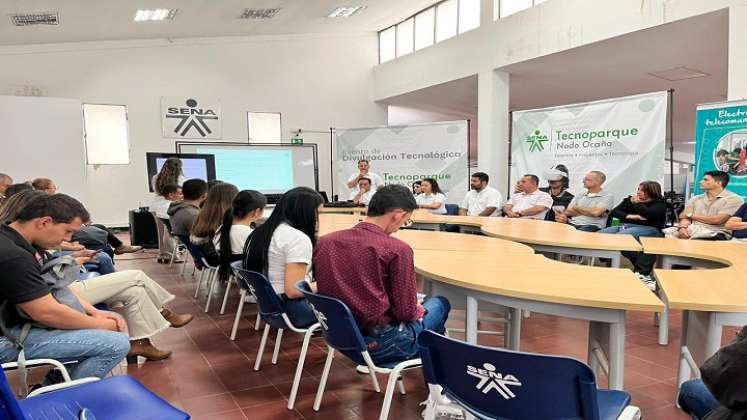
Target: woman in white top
282	249
238	223
431	197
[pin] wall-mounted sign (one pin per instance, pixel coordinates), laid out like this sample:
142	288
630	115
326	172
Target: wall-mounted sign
190	118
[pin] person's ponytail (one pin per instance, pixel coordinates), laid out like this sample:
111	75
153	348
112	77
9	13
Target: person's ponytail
226	253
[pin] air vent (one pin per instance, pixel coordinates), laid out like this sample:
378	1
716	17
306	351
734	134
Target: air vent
29	19
259	13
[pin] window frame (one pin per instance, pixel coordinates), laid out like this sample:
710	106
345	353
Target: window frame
249	130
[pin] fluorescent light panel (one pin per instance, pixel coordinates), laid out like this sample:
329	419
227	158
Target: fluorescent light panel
144	15
345	12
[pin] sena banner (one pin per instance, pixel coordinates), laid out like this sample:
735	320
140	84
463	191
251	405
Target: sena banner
721	143
623	137
189	118
405	154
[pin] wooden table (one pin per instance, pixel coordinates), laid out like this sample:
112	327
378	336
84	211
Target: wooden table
510	274
710	299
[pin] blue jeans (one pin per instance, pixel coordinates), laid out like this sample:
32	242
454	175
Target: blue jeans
97	352
299	312
400	341
586	228
642	263
696	400
102	265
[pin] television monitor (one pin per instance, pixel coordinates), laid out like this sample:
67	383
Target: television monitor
194	165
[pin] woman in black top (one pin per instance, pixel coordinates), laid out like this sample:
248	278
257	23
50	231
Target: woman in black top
643	214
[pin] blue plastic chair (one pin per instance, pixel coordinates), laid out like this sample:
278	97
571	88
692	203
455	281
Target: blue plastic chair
493	383
452	209
272	312
341	333
115	398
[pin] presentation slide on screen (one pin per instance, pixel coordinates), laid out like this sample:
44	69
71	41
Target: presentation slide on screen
192	168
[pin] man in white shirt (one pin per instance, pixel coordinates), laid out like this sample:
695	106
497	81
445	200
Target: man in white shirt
365	192
530	202
482	200
363	172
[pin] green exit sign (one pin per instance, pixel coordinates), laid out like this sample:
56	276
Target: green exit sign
297	140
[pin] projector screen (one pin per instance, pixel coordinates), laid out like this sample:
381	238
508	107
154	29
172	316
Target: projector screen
270	169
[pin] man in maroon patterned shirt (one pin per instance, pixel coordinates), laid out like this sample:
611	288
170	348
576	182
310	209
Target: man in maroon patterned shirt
374	274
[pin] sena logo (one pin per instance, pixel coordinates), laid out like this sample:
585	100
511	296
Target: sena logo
492	380
537	141
192	117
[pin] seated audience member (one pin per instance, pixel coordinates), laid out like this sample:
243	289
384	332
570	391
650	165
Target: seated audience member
374	275
238	224
721	394
5	182
139	299
94	261
282	249
557	187
218	201
91	338
16	188
363	172
481	200
641	215
416	188
170	193
170	174
706	214
588	210
364	193
182	214
530	203
44	184
431	197
738	224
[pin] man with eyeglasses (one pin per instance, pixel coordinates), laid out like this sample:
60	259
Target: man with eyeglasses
374	274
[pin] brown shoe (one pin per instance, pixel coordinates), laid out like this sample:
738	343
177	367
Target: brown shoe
145	349
176	320
125	249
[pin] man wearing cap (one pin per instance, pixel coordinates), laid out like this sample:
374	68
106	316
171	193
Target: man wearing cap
557	181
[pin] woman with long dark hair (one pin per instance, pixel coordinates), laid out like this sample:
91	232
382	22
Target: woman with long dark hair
238	224
171	173
282	249
219	199
431	197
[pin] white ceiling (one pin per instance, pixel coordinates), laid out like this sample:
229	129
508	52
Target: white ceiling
97	20
611	68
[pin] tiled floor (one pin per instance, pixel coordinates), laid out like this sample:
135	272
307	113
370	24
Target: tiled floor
213	378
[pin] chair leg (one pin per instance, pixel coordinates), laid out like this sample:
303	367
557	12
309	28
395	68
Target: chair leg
325	375
401	384
261	350
173	254
371	370
225	296
237	319
199	282
184	265
212	279
394	378
299	367
278	339
258	322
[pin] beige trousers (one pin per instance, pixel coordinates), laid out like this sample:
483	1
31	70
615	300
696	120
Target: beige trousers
134	295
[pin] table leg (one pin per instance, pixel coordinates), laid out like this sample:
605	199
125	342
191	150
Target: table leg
701	336
470	320
512	337
616	354
664	319
615	261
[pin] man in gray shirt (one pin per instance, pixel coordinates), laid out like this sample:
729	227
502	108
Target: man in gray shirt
182	214
588	211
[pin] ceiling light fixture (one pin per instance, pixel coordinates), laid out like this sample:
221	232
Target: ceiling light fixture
345	12
155	15
259	13
679	73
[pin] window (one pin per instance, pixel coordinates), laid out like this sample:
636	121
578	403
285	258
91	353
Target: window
387	46
424	28
264	127
469	15
106	134
405	37
509	7
446	20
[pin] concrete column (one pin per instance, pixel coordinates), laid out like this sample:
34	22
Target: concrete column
493	129
737	53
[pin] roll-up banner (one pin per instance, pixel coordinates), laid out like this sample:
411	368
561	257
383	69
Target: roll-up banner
623	137
405	154
721	143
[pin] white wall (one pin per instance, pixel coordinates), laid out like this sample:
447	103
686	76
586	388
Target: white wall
316	81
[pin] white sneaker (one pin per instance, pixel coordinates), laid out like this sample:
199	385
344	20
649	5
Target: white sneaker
445	412
250	299
647	281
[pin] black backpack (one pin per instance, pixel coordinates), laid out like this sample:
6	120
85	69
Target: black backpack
725	375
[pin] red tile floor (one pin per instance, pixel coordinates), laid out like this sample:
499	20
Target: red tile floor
212	377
